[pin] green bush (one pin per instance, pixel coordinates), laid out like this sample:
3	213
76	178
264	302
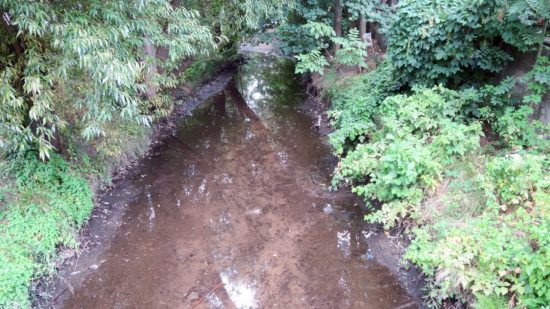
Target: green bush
312	62
412	138
504	252
435	41
354	105
515	127
538	81
52	203
452	42
480	224
352	51
505	111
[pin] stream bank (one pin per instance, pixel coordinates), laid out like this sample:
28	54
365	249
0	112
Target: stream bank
233	210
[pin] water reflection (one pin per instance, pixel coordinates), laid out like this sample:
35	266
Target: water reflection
241	293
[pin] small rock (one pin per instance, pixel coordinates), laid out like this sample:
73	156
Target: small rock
193	296
93	267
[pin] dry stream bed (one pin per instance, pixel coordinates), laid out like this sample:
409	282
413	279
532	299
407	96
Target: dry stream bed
234	211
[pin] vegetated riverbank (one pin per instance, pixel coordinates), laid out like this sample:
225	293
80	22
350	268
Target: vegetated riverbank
444	142
217	202
386	247
43	205
468	197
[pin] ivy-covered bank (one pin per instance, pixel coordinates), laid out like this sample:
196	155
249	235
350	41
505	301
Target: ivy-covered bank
444	146
46	205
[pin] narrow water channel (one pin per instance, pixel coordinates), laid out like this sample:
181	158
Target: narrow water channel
235	212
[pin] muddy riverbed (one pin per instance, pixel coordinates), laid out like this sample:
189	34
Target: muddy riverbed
234	211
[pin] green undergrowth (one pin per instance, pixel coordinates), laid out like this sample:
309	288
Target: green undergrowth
475	207
49	202
488	241
205	69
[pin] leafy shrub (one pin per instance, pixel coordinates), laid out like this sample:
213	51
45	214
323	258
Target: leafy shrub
512	181
538	81
352	50
522	22
503	110
412	139
313	62
516	129
52	202
504	252
295	40
354	106
437	41
293	37
447	41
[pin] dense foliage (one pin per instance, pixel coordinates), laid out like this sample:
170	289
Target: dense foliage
448	41
87	57
412	139
443	152
499	249
442	147
478	218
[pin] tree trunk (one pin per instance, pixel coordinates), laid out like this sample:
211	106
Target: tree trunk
539	53
362	27
337	23
150	53
156	55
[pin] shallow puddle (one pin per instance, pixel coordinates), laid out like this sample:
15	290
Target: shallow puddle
235	212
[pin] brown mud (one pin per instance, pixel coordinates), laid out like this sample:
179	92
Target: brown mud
233	210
